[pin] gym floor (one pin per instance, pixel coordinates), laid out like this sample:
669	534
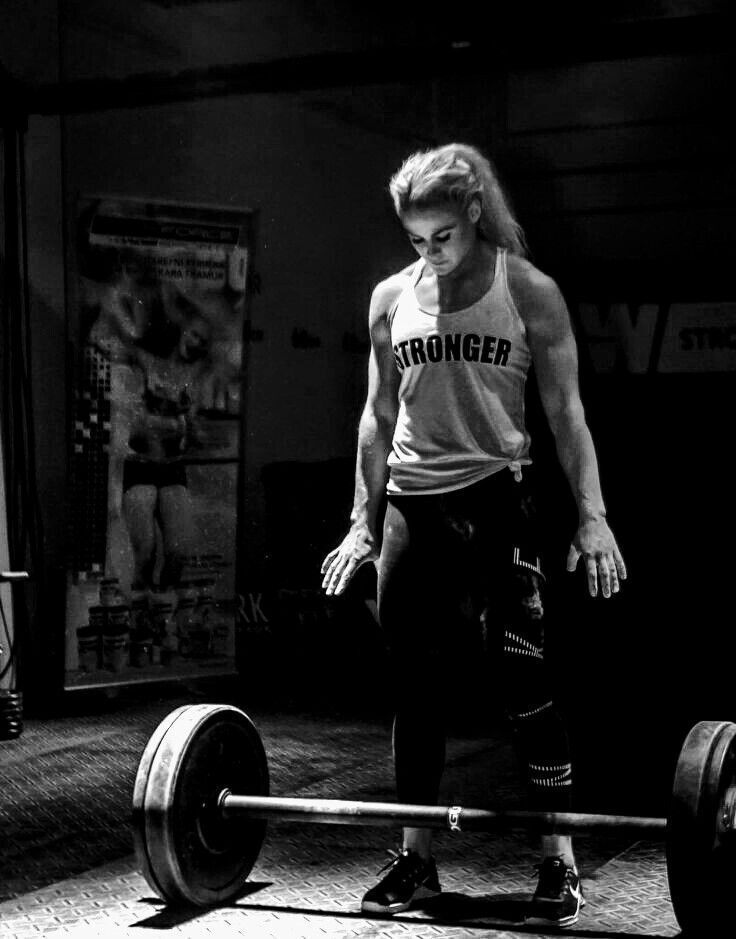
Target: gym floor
69	868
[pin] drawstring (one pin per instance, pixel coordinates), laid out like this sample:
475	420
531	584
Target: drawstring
515	468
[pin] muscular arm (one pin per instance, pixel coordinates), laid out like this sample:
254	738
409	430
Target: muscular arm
377	421
554	354
375	433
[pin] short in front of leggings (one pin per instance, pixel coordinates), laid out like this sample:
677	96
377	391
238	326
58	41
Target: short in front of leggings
148	473
478	545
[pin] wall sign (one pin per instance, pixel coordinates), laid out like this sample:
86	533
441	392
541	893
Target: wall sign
677	338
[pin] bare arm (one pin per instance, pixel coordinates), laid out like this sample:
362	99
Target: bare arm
554	354
375	433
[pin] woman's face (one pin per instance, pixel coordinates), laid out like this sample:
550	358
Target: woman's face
442	235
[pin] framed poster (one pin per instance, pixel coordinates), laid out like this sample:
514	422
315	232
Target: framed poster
156	332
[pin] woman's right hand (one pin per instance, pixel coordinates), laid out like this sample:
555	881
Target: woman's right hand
358	547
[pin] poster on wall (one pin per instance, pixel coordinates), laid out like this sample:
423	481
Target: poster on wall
156	332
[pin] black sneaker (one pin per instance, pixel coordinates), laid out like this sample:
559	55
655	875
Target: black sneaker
559	895
409	878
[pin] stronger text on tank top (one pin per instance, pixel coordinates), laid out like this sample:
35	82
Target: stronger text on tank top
461	392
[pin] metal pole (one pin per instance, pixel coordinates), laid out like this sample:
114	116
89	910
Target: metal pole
456	818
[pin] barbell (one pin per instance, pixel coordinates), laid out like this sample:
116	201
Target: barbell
201	803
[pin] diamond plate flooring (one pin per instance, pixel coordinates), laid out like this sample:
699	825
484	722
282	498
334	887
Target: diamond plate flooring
68	867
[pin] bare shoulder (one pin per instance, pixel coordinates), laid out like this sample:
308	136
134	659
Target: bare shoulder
532	289
387	292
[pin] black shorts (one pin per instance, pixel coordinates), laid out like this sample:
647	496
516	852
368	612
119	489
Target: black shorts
147	473
478	545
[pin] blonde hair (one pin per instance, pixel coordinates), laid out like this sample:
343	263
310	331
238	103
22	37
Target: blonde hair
457	173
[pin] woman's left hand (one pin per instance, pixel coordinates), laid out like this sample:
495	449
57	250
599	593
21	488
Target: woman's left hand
594	542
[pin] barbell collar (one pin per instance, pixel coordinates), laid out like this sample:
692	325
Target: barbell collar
456	818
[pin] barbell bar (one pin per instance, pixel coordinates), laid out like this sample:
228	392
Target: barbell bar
201	804
452	817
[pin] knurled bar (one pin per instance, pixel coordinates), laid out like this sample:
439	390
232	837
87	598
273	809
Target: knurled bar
456	818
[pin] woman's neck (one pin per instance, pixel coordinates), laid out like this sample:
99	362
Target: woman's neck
468	282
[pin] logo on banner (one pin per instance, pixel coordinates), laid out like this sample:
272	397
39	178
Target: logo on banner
677	338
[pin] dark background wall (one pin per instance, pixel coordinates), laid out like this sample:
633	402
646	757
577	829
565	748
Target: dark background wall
610	132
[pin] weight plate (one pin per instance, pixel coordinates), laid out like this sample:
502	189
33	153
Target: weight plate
187	851
701	862
139	791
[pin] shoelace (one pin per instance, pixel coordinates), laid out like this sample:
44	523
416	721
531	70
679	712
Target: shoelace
395	858
561	872
395	855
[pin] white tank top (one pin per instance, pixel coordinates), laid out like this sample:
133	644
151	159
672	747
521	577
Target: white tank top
461	394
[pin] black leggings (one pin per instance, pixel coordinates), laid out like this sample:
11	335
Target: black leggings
474	549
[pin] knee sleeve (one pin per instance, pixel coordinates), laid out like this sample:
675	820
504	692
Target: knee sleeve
544	752
540	734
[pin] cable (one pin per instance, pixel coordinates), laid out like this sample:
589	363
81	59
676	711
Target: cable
24	526
10	640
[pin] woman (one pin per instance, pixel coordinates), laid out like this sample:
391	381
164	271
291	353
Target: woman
453	337
166	340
